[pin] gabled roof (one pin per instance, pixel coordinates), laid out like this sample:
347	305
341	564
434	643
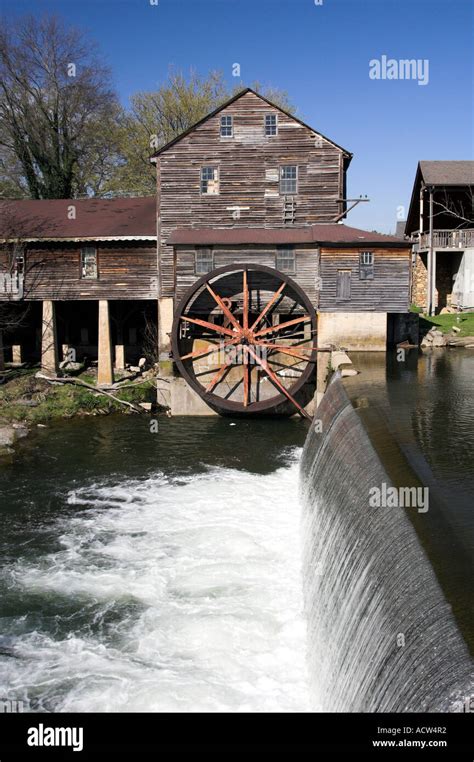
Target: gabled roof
331	234
452	174
236	97
95	218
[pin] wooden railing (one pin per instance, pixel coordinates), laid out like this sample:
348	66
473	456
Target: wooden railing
448	239
11	285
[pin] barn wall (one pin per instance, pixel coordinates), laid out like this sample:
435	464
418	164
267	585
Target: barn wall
387	292
124	272
306	258
249	176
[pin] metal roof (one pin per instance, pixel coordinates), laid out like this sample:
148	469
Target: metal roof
447	172
330	234
79	219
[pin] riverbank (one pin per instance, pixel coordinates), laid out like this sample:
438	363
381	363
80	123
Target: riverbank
28	401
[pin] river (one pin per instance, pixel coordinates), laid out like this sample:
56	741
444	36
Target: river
162	571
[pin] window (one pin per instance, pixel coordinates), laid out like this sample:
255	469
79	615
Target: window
366	265
204	260
209	181
343	285
226	127
288	179
271	124
285	259
89	262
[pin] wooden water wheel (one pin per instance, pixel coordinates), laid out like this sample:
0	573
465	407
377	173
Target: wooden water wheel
243	338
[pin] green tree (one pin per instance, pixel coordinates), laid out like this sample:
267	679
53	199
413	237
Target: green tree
58	114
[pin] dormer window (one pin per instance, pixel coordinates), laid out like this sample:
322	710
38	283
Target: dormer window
227	130
209	181
271	124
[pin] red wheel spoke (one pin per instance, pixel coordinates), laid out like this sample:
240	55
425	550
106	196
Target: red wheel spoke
277	381
246	302
224	308
217	377
201	352
246	379
211	326
276	328
268	306
284	350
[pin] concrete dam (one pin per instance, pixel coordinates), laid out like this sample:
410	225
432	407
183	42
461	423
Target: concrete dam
388	628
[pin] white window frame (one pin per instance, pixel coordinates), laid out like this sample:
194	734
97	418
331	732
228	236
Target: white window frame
265	126
203	180
286	179
226	126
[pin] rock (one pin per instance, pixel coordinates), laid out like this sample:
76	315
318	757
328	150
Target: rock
41	425
469	346
142	363
448	311
71	366
134	369
7	436
439	341
146	406
27	403
426	343
455	329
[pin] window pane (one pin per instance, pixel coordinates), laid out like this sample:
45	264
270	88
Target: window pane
89	262
226	126
270	124
285	259
288	179
366	265
209	181
204	261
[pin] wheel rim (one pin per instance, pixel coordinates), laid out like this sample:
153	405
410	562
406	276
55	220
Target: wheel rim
243	338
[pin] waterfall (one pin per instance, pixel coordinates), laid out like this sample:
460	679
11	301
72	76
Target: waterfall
381	634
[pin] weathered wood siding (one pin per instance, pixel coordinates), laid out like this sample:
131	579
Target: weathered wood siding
125	271
248	166
306	261
387	292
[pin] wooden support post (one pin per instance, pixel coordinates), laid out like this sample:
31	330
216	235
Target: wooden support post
17	354
431	264
105	374
119	357
165	324
2	352
49	344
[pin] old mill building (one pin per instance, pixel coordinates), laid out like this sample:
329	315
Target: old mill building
243	249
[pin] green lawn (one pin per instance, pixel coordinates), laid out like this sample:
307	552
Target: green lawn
464	321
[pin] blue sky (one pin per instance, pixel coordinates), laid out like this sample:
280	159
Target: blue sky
320	54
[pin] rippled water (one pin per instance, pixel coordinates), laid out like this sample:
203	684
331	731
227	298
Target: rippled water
175	590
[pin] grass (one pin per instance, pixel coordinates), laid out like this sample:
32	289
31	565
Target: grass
52	402
464	321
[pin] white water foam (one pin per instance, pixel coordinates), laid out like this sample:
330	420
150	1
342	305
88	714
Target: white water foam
210	566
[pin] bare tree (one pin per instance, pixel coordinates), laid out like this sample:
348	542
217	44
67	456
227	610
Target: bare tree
57	111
